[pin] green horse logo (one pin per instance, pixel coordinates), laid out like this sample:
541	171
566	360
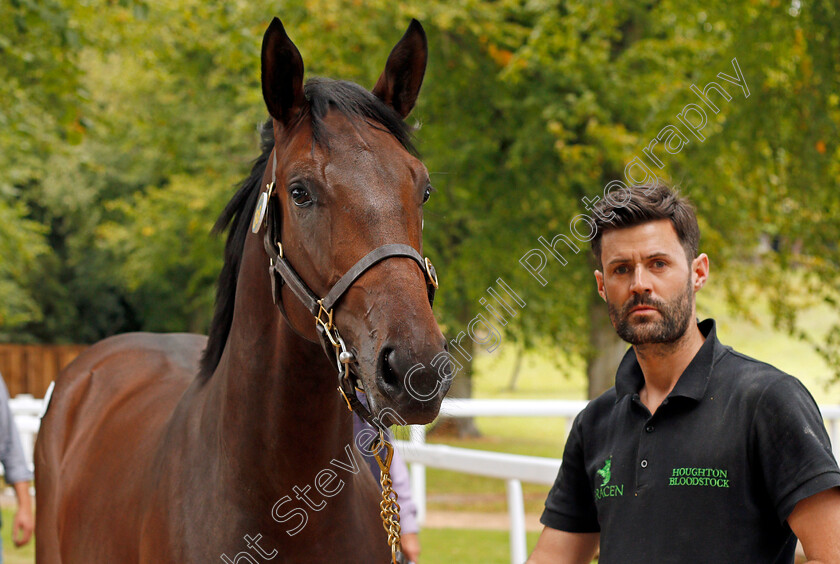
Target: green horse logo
605	472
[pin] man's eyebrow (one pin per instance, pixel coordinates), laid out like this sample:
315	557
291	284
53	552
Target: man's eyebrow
648	257
617	260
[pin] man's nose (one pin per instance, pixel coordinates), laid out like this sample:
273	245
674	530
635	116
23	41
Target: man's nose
641	282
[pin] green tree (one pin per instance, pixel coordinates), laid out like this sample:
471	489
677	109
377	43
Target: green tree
39	116
21	245
604	78
131	125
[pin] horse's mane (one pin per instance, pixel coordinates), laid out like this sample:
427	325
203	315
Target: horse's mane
352	101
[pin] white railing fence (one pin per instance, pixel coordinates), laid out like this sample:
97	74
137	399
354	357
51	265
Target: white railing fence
564	409
512	468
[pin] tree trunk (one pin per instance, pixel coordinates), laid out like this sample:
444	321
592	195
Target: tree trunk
517	366
606	348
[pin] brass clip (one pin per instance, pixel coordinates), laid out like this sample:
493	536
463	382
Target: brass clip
345	398
376	448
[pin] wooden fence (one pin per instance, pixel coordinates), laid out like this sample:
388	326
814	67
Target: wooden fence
29	369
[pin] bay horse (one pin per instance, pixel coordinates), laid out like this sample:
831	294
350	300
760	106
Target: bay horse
185	449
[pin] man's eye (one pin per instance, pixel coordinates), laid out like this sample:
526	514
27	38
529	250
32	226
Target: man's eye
621	270
659	264
300	196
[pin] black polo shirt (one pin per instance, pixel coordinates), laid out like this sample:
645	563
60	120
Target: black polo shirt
710	477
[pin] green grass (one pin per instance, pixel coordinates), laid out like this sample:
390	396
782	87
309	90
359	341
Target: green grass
12	555
466	546
439	546
444	546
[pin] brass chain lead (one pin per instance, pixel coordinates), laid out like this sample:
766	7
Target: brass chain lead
390	508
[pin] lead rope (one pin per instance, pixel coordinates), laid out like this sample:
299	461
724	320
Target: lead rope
390	509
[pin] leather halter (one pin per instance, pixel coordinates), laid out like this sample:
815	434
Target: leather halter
282	272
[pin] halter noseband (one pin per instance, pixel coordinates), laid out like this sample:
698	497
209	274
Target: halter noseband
281	272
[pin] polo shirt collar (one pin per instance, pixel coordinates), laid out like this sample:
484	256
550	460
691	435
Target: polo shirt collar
629	378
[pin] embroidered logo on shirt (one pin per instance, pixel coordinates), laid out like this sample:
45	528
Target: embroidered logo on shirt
605	472
709	477
606	490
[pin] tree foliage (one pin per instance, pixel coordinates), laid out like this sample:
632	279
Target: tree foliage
128	123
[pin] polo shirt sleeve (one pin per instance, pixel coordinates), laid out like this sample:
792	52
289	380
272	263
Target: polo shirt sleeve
791	445
570	505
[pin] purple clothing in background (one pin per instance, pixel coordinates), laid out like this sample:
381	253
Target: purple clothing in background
399	476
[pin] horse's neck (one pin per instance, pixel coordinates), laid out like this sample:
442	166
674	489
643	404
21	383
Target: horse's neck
280	417
275	410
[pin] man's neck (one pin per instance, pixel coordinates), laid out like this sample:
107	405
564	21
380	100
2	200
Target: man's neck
663	364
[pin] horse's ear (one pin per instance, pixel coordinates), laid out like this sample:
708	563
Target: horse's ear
400	82
282	74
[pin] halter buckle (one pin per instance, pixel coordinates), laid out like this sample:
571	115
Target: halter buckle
430	271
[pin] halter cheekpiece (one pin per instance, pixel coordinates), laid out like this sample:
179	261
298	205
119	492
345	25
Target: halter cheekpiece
281	272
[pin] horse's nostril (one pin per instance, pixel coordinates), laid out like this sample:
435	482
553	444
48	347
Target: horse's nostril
389	376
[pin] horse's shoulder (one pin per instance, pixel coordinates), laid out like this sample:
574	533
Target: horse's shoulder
115	398
139	353
125	368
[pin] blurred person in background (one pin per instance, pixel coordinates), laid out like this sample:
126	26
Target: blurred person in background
16	471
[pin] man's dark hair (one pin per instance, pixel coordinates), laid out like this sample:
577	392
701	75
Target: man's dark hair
646	203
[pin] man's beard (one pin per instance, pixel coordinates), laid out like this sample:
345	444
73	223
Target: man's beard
675	318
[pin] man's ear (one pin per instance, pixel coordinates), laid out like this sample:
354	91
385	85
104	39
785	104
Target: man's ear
700	271
599	279
282	74
399	84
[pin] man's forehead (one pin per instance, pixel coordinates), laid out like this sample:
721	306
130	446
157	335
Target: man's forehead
643	239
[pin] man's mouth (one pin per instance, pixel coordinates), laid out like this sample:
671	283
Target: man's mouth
643	309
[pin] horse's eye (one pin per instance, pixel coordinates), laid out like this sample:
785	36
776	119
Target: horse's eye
427	194
300	196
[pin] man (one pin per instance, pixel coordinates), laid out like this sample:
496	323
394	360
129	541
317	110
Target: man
17	473
699	454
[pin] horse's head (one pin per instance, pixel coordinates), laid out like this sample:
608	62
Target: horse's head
347	183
